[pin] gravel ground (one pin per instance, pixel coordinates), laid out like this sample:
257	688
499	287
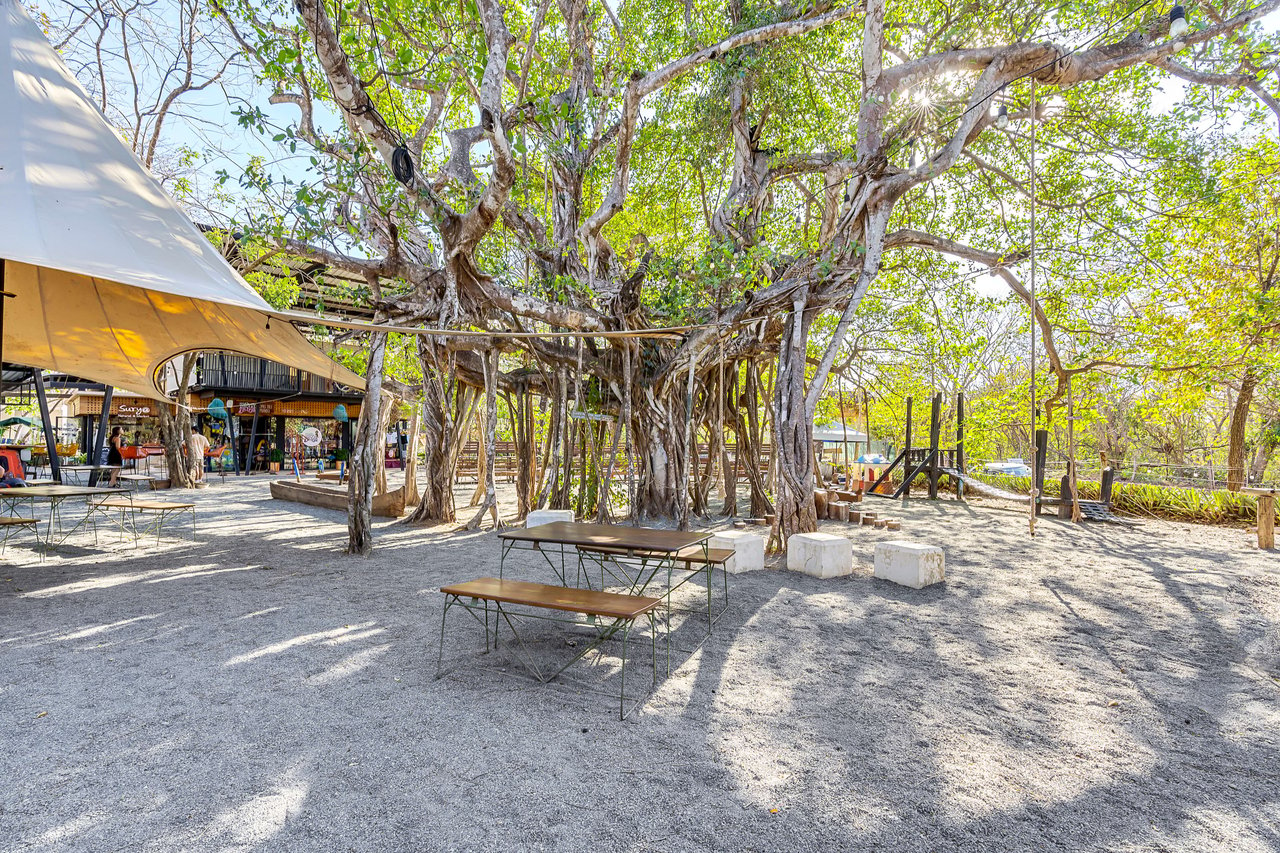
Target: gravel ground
1096	688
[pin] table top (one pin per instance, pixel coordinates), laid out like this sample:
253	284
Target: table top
57	492
1255	490
608	536
90	467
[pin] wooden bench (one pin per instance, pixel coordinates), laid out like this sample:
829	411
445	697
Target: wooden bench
138	480
708	559
160	510
12	524
618	611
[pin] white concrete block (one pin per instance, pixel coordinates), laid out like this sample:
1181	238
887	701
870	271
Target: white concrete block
909	563
822	555
748	550
547	516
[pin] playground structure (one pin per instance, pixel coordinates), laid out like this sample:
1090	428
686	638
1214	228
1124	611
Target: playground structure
933	461
1099	510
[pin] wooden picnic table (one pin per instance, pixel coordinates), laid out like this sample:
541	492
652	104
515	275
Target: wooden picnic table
56	496
633	557
1266	515
574	538
77	470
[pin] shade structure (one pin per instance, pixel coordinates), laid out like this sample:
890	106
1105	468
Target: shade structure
110	278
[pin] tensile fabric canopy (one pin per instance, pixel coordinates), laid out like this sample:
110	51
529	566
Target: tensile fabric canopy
110	278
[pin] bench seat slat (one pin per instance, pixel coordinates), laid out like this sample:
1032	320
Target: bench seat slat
15	521
586	601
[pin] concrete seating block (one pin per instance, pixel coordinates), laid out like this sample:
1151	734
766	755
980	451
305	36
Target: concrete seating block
748	550
909	563
547	516
822	555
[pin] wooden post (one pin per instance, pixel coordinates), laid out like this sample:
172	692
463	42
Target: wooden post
906	467
960	442
1041	456
1266	515
1266	521
935	435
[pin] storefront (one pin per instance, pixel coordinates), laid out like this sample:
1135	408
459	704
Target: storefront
137	417
305	430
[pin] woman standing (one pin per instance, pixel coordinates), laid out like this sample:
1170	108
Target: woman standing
115	457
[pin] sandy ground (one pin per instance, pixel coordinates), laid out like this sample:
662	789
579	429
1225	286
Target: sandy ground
1096	688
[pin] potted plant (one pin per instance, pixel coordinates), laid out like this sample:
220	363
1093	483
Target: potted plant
341	455
274	460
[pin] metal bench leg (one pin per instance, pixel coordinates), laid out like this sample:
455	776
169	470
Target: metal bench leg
622	690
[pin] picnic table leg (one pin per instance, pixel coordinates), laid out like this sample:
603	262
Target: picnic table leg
448	600
1266	521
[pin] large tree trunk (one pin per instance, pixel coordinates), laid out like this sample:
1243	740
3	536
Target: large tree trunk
411	495
1265	449
1236	433
447	407
520	407
490	502
660	448
363	462
793	430
175	432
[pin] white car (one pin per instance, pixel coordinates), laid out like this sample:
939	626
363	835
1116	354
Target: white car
1010	468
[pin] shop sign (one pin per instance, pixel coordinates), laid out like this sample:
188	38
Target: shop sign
248	409
135	410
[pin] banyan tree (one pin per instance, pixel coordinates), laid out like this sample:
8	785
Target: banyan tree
648	206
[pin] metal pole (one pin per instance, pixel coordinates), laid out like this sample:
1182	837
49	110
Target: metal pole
50	437
844	426
253	436
1035	497
100	437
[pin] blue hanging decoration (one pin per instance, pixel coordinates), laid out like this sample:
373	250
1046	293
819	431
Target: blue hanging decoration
340	413
218	409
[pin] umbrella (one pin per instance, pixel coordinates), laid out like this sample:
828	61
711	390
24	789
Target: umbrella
21	420
110	279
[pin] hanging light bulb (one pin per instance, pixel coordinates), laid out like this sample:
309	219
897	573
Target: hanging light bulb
1177	22
1002	117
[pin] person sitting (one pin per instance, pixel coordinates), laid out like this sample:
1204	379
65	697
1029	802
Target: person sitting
9	480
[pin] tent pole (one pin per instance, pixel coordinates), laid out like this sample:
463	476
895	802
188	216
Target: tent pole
50	437
100	439
253	437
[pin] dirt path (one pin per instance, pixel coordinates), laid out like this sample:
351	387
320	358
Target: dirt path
1095	688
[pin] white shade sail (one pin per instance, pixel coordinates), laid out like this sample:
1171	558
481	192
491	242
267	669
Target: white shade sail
110	279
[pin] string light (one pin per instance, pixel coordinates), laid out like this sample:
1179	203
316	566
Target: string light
1002	117
1177	22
